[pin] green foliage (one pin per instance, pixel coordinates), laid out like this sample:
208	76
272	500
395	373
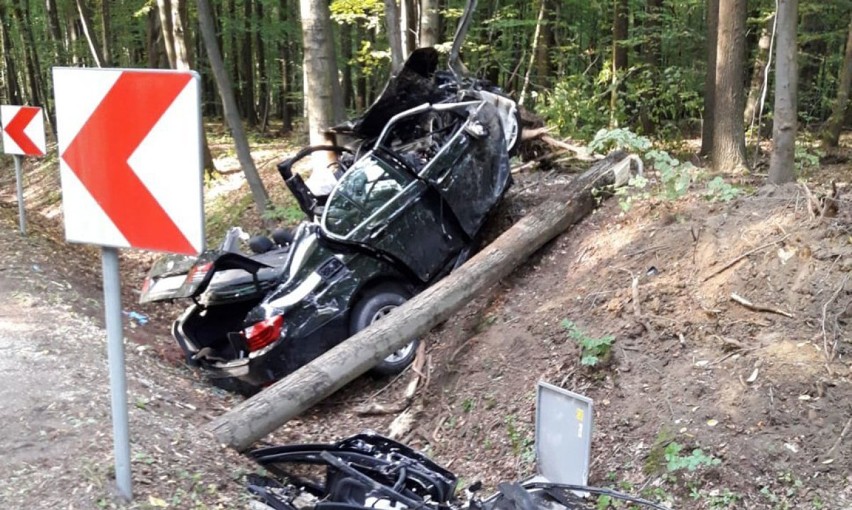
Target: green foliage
672	99
523	444
223	213
367	12
717	499
288	213
718	190
606	140
675	175
675	461
468	405
370	59
592	350
806	158
635	190
574	106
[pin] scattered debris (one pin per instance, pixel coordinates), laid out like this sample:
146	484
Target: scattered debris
367	471
758	308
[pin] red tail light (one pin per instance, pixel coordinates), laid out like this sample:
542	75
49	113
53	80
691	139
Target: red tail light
197	273
263	333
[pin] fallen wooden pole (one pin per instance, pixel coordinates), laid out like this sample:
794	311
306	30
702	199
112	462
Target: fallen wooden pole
287	398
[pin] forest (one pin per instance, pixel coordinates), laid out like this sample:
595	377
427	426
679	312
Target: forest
668	70
701	307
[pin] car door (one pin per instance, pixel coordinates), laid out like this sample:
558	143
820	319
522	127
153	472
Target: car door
381	205
471	171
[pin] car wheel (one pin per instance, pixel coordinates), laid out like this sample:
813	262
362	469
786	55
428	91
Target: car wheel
373	307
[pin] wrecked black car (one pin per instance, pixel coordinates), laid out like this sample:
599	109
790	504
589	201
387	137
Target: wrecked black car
410	202
368	471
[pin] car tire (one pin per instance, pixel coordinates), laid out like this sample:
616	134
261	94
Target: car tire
372	307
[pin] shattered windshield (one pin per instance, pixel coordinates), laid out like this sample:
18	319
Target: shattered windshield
365	188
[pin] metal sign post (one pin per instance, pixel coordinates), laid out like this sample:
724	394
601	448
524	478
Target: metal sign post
130	161
19	185
22	131
117	379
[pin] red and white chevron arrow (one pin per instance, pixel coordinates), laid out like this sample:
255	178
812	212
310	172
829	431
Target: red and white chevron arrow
130	158
23	130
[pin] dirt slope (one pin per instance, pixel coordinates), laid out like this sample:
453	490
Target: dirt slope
56	443
694	370
689	369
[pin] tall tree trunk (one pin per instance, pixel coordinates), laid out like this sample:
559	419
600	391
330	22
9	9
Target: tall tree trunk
10	72
710	77
491	39
361	78
542	49
247	67
55	31
232	53
535	38
73	36
229	104
346	72
394	36
262	83
430	23
284	57
180	36
175	17
831	134
759	72
651	55
106	28
322	88
86	23
31	61
728	153
153	36
164	9
781	164
620	27
408	25
619	54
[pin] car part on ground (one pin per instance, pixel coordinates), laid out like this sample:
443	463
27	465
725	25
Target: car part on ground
368	471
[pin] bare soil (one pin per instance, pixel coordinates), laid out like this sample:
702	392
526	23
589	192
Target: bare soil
764	389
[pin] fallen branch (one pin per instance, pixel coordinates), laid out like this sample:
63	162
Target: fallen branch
757	308
410	390
829	353
637	310
839	440
533	162
826	207
532	134
744	255
830	205
582	152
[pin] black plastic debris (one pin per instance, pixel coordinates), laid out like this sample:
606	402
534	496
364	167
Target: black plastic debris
368	471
